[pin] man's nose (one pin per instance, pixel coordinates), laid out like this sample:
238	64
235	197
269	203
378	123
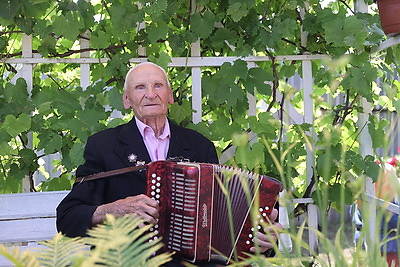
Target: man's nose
150	92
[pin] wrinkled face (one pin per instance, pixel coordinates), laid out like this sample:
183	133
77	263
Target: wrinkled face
147	92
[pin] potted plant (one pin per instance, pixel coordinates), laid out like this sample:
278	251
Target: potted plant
389	13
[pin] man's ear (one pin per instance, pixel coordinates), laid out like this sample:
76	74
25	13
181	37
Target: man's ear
125	100
170	97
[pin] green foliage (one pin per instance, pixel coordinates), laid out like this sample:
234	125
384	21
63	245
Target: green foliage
118	242
58	115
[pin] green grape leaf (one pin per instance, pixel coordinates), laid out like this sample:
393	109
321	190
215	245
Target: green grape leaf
78	128
372	168
6	150
250	156
257	79
76	153
29	158
17	93
237	11
66	102
163	59
115	98
156	32
91	117
222	35
9	9
202	26
99	39
14	126
239	69
50	141
234	94
57	184
339	191
74	22
180	112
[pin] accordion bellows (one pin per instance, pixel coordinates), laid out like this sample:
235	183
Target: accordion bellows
206	209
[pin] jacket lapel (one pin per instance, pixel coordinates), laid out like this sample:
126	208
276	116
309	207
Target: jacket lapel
131	144
179	144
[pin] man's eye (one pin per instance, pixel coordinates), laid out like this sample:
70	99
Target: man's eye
158	85
140	87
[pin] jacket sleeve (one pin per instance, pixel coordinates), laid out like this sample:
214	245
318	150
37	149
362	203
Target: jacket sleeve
74	213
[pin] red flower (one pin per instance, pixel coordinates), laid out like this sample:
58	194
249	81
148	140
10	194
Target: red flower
393	161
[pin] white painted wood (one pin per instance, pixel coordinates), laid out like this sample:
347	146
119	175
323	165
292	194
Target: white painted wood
386	44
196	86
366	148
312	210
26	205
28	217
27	230
85	67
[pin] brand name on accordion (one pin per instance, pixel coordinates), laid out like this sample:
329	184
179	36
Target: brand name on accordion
204	224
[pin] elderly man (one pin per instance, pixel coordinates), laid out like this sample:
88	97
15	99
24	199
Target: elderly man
148	137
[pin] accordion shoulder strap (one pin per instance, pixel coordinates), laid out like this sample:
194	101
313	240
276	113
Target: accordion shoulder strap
109	173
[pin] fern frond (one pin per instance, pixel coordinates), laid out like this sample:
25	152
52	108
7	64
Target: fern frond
61	251
121	242
18	258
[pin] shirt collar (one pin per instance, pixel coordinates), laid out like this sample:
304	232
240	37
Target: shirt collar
144	129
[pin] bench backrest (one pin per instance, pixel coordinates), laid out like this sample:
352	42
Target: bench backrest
28	217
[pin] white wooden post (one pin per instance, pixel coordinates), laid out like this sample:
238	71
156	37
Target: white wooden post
312	209
196	86
366	149
85	67
196	78
251	98
27	73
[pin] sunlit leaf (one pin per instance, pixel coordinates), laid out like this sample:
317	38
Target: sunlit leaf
15	126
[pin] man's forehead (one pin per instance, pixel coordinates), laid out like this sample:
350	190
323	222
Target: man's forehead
148	81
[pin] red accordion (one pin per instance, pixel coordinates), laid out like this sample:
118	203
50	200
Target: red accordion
196	203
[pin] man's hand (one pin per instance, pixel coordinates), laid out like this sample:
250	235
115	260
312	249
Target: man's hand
266	241
140	205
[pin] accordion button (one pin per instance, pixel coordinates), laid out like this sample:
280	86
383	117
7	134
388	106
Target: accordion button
153	175
153	187
158	191
158	178
153	193
266	208
260	209
259	227
158	184
157	196
252	229
250	235
248	242
264	214
153	181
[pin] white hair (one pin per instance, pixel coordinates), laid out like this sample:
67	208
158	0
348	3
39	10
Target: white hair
143	63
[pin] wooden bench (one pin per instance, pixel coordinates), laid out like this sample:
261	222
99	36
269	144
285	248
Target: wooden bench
26	218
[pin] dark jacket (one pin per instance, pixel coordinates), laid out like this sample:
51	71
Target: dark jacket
109	150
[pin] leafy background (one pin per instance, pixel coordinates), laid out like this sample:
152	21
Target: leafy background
58	115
